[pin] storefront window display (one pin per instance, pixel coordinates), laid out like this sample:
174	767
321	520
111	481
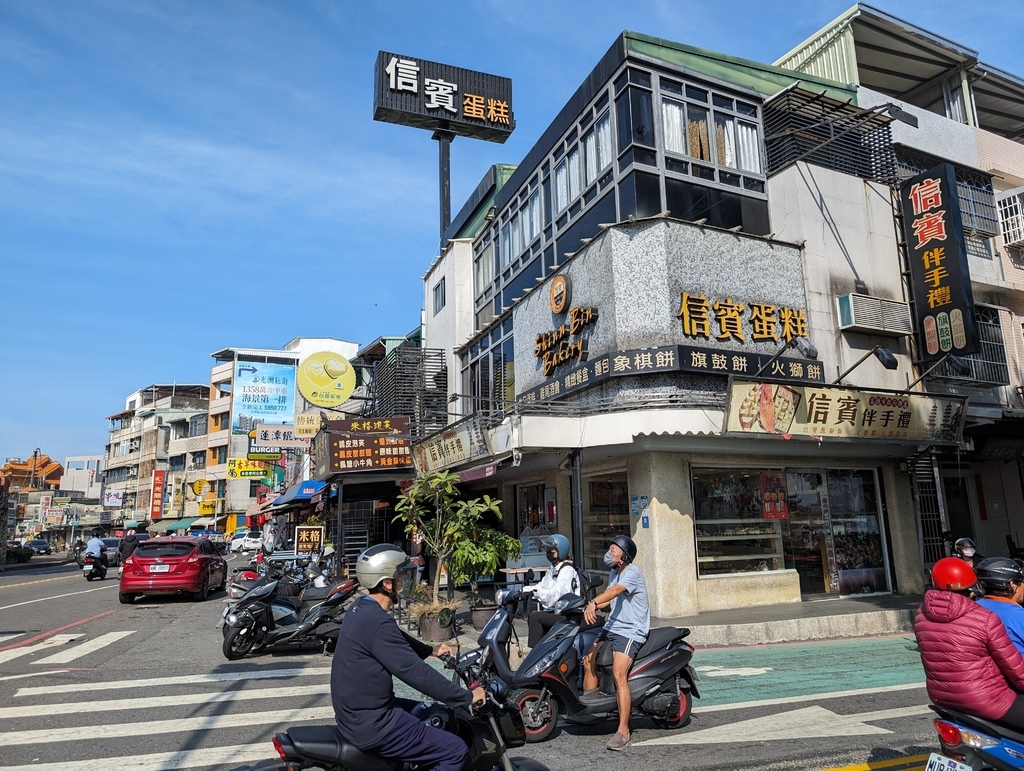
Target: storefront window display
824	524
605	515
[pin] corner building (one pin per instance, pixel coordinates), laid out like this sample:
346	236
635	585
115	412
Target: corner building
661	257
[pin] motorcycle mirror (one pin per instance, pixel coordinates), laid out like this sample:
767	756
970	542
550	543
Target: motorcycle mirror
446	618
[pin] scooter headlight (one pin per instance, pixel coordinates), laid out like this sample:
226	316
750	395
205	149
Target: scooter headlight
232	618
542	665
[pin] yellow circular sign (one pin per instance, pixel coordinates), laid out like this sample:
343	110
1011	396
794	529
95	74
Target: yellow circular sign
326	379
199	485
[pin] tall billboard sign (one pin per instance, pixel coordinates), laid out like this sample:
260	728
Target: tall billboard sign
326	379
262	394
427	95
939	274
156	501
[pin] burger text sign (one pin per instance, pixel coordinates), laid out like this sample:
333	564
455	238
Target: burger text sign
842	413
326	379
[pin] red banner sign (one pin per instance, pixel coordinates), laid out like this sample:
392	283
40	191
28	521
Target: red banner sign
156	503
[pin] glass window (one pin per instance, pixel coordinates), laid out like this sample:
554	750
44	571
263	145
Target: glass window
483	269
673	118
605	515
561	186
517	238
506	245
747	148
574	174
698	140
439	295
725	140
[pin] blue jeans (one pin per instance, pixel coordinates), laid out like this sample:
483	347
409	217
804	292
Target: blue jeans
414	740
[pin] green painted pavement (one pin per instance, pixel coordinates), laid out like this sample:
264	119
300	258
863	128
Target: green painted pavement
792	669
799	669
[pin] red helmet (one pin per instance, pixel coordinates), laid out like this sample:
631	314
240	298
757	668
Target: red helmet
953	574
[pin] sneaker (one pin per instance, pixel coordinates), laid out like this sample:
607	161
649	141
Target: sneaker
619	741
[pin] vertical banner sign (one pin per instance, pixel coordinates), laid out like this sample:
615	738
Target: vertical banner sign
156	502
262	394
774	504
940	277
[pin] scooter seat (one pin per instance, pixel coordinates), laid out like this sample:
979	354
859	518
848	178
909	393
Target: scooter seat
660	637
324	742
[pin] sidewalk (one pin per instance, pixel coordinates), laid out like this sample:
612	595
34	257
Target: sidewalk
39	561
819	619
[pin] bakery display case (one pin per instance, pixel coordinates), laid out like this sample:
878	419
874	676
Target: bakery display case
605	515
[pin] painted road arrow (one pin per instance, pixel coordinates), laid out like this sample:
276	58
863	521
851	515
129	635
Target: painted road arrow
713	671
808	723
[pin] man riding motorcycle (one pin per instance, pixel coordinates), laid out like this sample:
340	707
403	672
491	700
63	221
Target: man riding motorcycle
96	548
970	664
371	650
561	579
1002	580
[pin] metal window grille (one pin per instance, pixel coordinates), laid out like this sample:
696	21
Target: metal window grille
988	366
929	513
412	382
800	125
1011	217
974	190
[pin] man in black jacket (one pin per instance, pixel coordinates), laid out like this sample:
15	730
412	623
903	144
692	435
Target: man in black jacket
127	547
371	650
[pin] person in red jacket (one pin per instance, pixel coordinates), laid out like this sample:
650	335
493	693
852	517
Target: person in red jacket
970	664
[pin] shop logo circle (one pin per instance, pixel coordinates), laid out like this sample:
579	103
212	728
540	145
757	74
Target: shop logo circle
559	293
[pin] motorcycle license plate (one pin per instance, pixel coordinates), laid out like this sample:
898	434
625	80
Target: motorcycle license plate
159	568
937	762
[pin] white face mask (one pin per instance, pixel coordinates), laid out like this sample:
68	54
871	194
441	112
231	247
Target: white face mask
968	552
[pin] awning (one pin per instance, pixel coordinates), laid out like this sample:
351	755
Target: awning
202	522
175	524
300	493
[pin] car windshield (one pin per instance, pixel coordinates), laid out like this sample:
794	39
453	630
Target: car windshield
165	549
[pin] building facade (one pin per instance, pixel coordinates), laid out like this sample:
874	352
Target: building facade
649	286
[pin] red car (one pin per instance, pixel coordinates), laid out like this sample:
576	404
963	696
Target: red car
173	565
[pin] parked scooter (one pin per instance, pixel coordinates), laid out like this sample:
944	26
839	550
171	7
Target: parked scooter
489	731
549	681
93	567
972	744
263	618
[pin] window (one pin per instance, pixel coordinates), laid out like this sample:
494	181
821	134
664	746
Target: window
483	269
988	366
567	180
597	148
254	487
439	295
529	218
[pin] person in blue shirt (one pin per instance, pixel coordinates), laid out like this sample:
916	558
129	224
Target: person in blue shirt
626	629
1002	580
371	650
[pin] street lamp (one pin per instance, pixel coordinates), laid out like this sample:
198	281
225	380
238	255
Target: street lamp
802	344
884	355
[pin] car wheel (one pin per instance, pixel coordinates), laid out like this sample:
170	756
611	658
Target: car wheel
204	590
126	598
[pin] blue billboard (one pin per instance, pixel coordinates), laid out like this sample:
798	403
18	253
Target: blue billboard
262	394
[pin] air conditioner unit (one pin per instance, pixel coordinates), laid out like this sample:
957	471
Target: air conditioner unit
874	315
1011	217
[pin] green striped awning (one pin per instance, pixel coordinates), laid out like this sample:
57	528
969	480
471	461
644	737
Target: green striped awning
176	524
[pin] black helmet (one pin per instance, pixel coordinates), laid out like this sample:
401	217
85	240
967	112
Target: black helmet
964	547
625	543
996	573
97	533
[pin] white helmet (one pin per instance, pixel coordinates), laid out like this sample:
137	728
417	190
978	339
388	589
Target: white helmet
383	561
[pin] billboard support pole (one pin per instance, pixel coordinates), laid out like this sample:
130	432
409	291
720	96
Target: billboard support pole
444	173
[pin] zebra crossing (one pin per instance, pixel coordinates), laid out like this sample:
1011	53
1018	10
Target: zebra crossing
217	719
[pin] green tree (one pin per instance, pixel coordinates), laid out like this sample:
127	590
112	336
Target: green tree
449	525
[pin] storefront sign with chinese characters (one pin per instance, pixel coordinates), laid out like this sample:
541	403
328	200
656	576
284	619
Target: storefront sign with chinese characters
672	358
834	412
243	467
361	445
262	452
307	424
156	502
424	94
309	539
460	442
728	320
940	276
278	436
774	504
555	347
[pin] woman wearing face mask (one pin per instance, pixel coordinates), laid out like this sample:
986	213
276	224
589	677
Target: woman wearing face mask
965	549
626	629
561	579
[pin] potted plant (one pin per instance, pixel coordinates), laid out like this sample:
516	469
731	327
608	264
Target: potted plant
434	508
477	556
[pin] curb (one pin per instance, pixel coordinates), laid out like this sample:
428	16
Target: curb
873	624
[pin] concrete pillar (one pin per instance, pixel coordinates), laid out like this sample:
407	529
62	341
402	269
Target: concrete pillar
903	532
666	550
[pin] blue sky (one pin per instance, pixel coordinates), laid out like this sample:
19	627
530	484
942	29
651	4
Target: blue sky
179	177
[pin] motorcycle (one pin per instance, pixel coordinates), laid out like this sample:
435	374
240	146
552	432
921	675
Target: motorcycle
549	682
971	744
489	731
93	567
264	618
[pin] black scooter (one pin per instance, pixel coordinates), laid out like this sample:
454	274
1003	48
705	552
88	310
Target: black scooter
549	681
489	732
263	618
93	567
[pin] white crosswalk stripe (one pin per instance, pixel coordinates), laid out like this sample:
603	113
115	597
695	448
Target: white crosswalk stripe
205	720
87	647
25	650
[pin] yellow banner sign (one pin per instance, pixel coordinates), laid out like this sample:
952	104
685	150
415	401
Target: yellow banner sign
207	507
843	413
241	467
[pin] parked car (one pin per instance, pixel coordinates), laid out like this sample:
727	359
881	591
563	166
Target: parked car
173	565
247	541
14	544
113	557
39	546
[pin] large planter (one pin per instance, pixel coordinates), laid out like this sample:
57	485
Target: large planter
431	631
481	614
